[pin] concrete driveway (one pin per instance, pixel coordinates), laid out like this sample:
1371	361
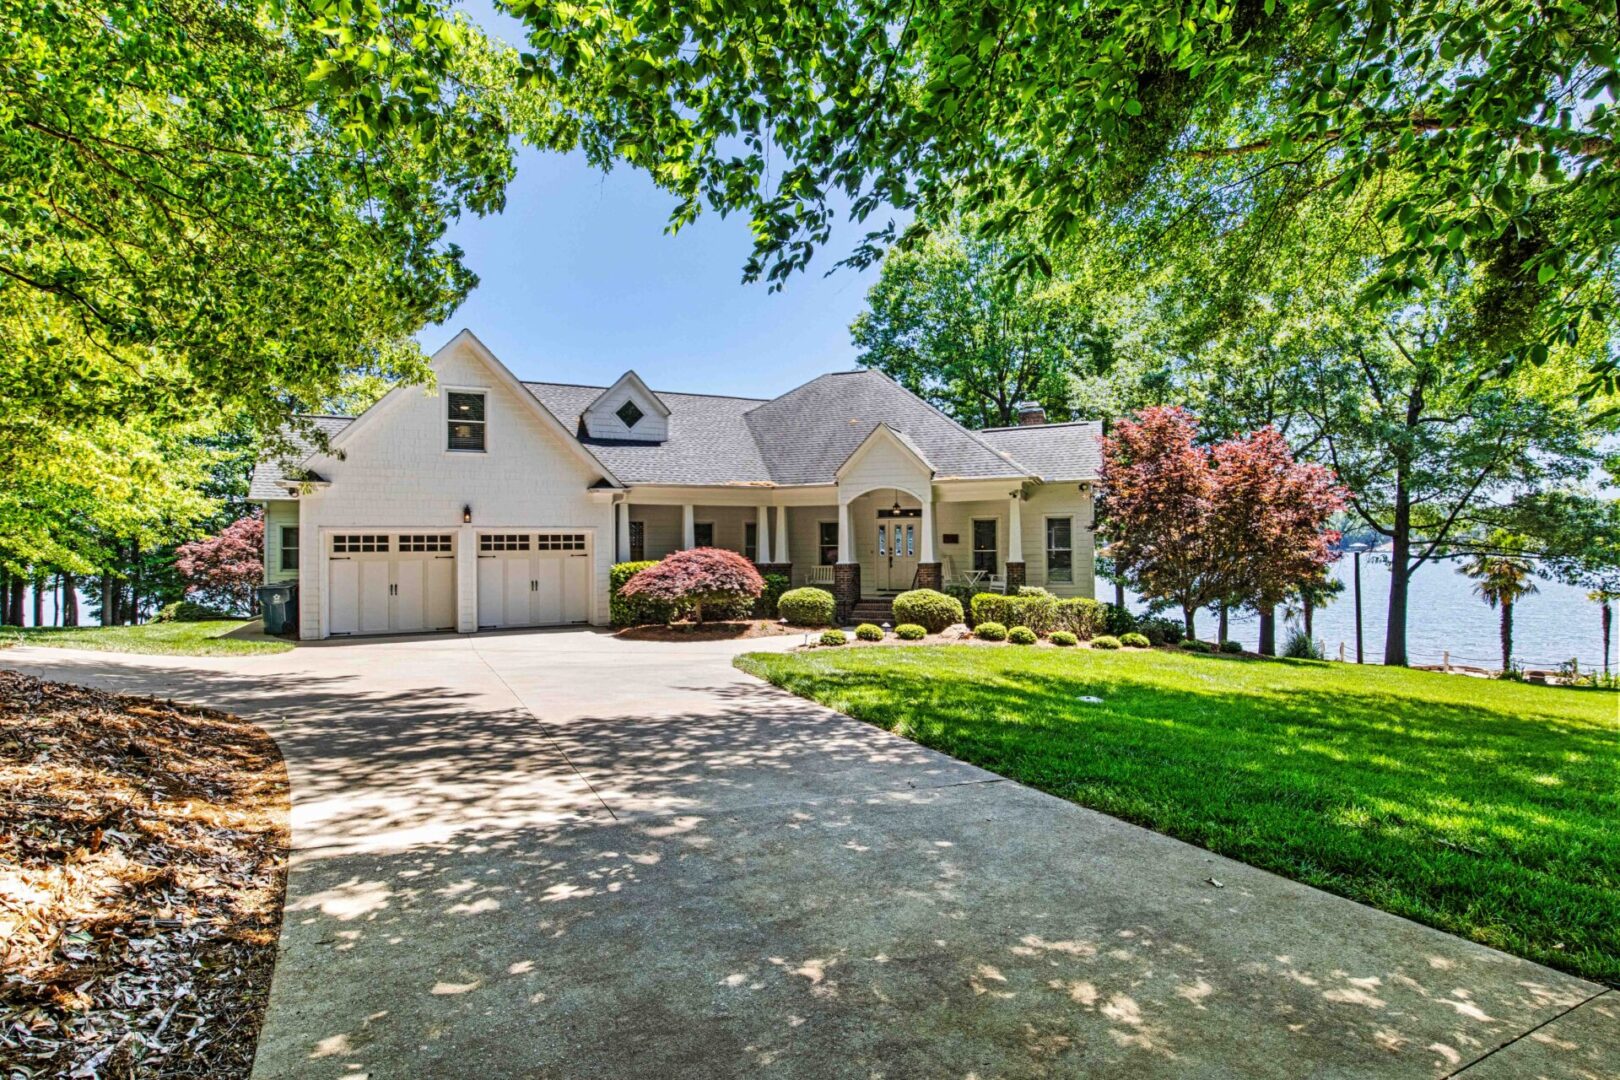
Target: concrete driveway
565	855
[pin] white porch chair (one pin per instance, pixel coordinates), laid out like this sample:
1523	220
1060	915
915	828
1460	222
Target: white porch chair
818	575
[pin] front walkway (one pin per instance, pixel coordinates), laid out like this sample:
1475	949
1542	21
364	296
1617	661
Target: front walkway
564	855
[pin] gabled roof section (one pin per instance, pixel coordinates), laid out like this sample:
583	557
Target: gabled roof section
883	433
1066	452
708	442
468	342
806	434
633	381
271	475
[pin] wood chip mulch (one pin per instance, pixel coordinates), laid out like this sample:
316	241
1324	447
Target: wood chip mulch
143	856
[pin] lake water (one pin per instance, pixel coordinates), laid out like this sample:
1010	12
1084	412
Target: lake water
1555	625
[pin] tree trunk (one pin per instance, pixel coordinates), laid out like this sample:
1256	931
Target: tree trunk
70	600
109	601
135	583
1507	637
1310	635
1268	631
1608	629
14	602
1119	594
1187	620
1223	624
39	601
1399	585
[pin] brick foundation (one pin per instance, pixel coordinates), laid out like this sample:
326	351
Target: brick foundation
1015	576
929	576
846	587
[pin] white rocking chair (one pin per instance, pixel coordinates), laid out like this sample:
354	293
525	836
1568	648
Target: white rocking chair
818	575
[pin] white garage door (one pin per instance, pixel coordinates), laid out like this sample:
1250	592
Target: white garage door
533	579
391	583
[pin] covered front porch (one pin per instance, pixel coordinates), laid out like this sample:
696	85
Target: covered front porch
866	545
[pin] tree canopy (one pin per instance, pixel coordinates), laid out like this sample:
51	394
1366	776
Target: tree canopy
1481	134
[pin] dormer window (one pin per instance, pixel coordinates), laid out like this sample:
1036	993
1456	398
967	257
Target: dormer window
629	413
466	421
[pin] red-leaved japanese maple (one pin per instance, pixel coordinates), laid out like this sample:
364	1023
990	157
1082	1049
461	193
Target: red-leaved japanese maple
687	580
225	569
1196	526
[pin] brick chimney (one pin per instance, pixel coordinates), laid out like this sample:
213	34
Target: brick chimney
1030	413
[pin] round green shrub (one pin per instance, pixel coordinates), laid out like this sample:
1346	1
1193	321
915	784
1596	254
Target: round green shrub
1117	620
1022	635
188	611
1233	647
1134	641
910	631
1194	645
990	631
808	607
1162	631
933	611
868	632
1105	641
833	637
1063	639
634	611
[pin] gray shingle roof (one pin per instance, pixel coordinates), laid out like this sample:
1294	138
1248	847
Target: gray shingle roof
1070	451
708	441
801	437
268	471
807	433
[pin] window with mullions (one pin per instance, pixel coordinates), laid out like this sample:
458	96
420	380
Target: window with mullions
466	421
1060	550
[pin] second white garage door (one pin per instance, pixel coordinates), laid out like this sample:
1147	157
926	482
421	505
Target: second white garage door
533	579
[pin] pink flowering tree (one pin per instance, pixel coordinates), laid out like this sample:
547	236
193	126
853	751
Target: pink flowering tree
689	580
225	571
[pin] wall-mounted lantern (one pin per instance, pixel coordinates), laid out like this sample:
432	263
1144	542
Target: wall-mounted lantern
466	515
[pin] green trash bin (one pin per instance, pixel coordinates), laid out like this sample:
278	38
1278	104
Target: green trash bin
276	605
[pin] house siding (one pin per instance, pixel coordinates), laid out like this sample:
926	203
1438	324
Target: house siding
278	515
396	474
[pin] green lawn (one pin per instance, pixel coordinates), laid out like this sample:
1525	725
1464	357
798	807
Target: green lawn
208	638
1488	809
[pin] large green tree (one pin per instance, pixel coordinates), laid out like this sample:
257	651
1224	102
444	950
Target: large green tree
1494	118
947	324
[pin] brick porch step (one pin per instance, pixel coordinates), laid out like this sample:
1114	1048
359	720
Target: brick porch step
873	610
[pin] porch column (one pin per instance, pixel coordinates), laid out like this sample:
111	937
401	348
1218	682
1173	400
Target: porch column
846	539
781	537
929	573
624	532
847	572
688	527
1015	542
762	543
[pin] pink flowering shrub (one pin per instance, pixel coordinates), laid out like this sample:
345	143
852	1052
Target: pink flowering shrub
224	571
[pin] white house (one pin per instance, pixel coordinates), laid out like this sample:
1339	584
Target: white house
488	502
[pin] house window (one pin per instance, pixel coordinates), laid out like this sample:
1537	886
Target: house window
359	544
289	547
629	414
425	543
638	541
828	543
1060	550
751	541
466	421
504	542
703	534
984	545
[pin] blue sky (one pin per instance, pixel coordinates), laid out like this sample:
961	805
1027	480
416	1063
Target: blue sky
579	282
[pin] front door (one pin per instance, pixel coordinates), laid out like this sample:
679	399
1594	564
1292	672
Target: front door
896	550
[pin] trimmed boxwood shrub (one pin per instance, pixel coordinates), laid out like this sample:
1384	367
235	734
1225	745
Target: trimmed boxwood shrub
1081	616
833	637
775	586
1233	647
1162	631
634	611
1134	641
808	607
1036	610
1105	641
933	611
1063	639
1022	635
868	632
990	631
1194	645
910	631
188	611
962	594
1116	620
721	581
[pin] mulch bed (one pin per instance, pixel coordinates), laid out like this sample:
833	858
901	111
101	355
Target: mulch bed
717	631
143	857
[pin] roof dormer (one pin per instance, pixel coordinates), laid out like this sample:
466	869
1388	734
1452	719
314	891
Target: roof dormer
628	411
